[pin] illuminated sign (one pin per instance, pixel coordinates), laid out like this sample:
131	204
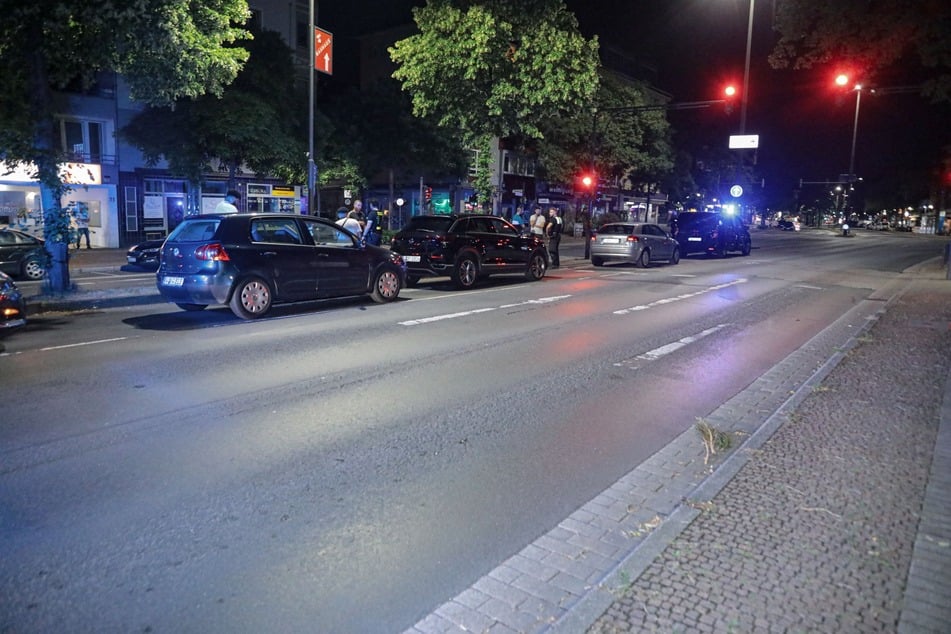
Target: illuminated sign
744	141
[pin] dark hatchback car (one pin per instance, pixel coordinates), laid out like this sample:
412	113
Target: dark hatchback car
636	243
12	305
22	255
145	254
466	248
711	233
252	261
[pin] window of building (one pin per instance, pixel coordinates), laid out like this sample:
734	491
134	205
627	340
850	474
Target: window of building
82	140
131	210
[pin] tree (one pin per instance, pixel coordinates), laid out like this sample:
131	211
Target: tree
871	36
496	68
374	128
621	136
165	49
254	121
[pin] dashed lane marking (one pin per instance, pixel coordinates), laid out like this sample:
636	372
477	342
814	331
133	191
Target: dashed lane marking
670	300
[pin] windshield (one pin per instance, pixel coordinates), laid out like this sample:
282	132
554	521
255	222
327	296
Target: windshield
195	230
429	223
616	229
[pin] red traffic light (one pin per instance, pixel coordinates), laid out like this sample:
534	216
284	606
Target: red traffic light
842	79
729	91
587	180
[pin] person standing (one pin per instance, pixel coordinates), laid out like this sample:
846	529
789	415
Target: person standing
554	229
228	205
537	223
351	224
371	230
81	218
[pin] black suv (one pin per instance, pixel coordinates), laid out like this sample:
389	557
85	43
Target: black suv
711	233
467	247
251	261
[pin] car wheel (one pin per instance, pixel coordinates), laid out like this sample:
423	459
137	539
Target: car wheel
466	272
33	269
675	256
644	260
746	247
251	298
192	307
536	267
597	262
386	286
411	281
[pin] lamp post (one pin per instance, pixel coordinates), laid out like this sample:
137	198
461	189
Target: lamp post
843	80
855	131
746	71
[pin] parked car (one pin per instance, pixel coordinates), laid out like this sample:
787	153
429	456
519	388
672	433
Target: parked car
22	255
12	305
712	233
637	243
145	254
467	248
788	225
252	261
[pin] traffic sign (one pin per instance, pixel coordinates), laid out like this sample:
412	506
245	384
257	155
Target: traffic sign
736	191
323	51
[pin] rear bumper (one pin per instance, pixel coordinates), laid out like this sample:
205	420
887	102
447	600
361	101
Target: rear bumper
195	289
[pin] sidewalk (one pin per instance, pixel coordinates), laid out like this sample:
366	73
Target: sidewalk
830	513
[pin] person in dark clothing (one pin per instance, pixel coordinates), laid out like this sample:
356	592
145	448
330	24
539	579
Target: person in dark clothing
553	229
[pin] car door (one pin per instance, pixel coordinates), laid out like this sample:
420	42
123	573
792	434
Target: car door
280	248
506	243
661	248
343	265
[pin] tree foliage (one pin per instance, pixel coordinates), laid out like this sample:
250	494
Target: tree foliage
375	130
496	67
619	135
165	49
870	36
254	122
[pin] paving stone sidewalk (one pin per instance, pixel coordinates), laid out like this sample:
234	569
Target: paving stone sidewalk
817	531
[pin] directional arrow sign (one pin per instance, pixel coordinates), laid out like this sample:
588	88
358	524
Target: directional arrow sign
323	51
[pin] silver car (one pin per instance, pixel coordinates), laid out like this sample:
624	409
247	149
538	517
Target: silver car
636	242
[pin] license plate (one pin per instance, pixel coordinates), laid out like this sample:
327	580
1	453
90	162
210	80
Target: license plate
172	281
130	259
411	258
610	241
694	239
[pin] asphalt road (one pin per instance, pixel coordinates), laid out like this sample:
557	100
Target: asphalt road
347	466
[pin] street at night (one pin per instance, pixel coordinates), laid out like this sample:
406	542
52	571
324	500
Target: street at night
348	466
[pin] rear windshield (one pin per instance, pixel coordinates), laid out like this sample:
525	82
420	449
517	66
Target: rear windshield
698	217
195	230
429	223
621	230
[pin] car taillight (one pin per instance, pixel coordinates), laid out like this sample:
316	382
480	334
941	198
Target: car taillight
214	252
632	239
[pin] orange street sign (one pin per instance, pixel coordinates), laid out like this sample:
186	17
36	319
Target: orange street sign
323	51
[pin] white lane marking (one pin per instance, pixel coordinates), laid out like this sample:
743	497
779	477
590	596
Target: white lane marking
811	288
669	300
656	353
84	343
541	300
466	313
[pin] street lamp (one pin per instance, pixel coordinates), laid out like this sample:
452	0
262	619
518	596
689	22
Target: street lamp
843	80
746	71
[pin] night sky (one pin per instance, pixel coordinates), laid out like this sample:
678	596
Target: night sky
697	46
